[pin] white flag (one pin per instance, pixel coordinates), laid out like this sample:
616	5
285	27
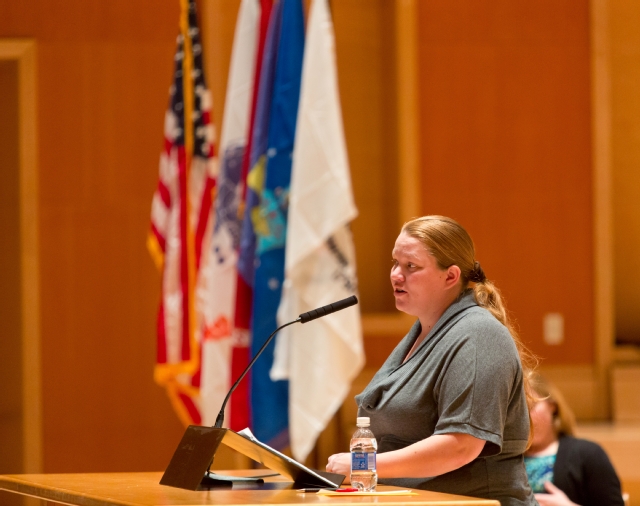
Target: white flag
217	294
321	358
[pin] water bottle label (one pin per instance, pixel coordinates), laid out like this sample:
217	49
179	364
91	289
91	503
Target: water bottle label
363	461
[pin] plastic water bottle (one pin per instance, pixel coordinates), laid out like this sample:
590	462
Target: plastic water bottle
363	448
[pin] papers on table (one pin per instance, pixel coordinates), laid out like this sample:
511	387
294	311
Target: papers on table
386	492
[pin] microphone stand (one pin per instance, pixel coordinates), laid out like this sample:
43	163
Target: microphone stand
220	418
190	466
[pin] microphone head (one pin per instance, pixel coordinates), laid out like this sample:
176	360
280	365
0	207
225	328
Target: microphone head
328	309
345	303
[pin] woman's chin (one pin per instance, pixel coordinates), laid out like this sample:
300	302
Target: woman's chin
403	307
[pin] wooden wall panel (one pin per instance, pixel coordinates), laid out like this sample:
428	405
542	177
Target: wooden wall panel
364	48
218	23
624	58
11	412
505	106
104	72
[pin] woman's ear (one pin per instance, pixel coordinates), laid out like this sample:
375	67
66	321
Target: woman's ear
453	276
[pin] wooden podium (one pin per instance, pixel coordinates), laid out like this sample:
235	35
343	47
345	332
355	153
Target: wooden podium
143	489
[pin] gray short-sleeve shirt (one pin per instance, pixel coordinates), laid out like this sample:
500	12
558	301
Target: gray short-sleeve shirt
465	377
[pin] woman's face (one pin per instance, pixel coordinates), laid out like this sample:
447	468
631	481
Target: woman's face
544	433
418	283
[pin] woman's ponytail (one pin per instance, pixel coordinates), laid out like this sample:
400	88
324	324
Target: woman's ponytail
489	297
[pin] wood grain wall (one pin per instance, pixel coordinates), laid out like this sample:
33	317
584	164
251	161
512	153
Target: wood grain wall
104	70
11	417
366	74
506	151
624	57
504	105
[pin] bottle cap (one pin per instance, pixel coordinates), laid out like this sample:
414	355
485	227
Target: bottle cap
363	421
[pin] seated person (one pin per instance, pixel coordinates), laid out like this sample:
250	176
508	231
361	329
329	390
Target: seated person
564	470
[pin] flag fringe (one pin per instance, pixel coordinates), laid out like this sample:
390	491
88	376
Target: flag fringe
163	374
155	250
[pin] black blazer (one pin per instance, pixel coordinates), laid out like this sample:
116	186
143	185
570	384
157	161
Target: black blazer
584	472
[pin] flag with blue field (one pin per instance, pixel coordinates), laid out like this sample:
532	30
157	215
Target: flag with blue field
270	399
255	185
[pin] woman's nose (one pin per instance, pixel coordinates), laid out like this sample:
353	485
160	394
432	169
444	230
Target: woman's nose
396	273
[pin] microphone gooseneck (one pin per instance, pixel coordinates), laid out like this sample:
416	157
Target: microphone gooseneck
220	417
303	318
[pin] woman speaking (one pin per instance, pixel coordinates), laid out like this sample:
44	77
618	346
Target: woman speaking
449	406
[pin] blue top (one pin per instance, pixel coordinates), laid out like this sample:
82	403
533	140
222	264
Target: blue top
539	470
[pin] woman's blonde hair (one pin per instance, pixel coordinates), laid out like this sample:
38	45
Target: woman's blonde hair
564	421
450	244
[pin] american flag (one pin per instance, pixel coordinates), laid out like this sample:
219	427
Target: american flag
181	221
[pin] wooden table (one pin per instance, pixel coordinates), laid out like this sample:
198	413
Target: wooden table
143	489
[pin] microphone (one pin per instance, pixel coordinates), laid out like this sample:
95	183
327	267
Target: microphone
328	309
303	318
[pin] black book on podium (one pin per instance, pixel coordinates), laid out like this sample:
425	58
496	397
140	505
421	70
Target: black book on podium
198	445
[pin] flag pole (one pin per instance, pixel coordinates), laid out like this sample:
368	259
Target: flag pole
187	90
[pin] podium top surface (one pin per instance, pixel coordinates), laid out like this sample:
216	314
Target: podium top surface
143	489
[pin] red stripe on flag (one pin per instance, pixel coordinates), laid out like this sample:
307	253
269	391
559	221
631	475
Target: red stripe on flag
203	219
239	402
168	144
195	379
244	296
164	193
161	352
184	254
162	242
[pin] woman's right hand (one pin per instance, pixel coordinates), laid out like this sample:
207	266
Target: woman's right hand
340	463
